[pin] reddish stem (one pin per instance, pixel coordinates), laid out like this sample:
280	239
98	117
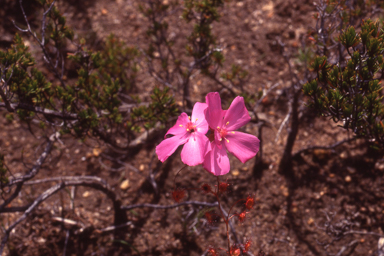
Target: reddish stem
225	218
174	179
233	206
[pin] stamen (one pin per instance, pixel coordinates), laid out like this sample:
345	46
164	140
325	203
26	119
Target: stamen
196	119
227	123
227	140
187	130
220	139
233	132
180	125
189	117
218	127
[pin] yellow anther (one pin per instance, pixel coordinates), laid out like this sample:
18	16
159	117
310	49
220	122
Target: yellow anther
196	119
233	132
187	130
227	123
180	125
218	127
220	139
189	117
227	140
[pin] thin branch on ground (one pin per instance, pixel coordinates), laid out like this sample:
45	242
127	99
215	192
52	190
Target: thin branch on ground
352	245
66	243
114	227
331	147
156	206
339	230
264	95
283	123
36	167
68	222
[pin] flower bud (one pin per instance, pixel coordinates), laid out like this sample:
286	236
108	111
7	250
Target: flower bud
178	194
234	250
212	252
247	245
223	186
242	216
206	188
249	202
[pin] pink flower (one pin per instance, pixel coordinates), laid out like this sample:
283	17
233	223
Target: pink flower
189	131
223	124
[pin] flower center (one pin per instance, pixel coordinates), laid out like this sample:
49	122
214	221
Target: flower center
222	132
191	127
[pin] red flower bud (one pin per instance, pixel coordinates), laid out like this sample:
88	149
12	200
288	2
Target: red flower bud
249	202
247	245
206	188
223	186
234	250
242	216
178	194
212	252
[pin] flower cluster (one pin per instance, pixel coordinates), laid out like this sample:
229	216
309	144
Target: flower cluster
221	126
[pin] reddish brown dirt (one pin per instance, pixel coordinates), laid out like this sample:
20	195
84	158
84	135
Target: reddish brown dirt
290	212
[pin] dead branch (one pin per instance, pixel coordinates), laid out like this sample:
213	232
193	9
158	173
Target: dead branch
352	245
32	173
114	227
264	95
283	123
339	230
331	147
41	42
11	107
156	206
44	196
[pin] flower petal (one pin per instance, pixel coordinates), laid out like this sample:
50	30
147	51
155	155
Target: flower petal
244	146
198	117
216	161
195	149
237	114
214	114
180	127
168	146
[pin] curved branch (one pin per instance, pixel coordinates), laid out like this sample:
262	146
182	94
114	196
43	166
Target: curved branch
35	169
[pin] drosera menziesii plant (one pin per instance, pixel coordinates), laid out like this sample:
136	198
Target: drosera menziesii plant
211	152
